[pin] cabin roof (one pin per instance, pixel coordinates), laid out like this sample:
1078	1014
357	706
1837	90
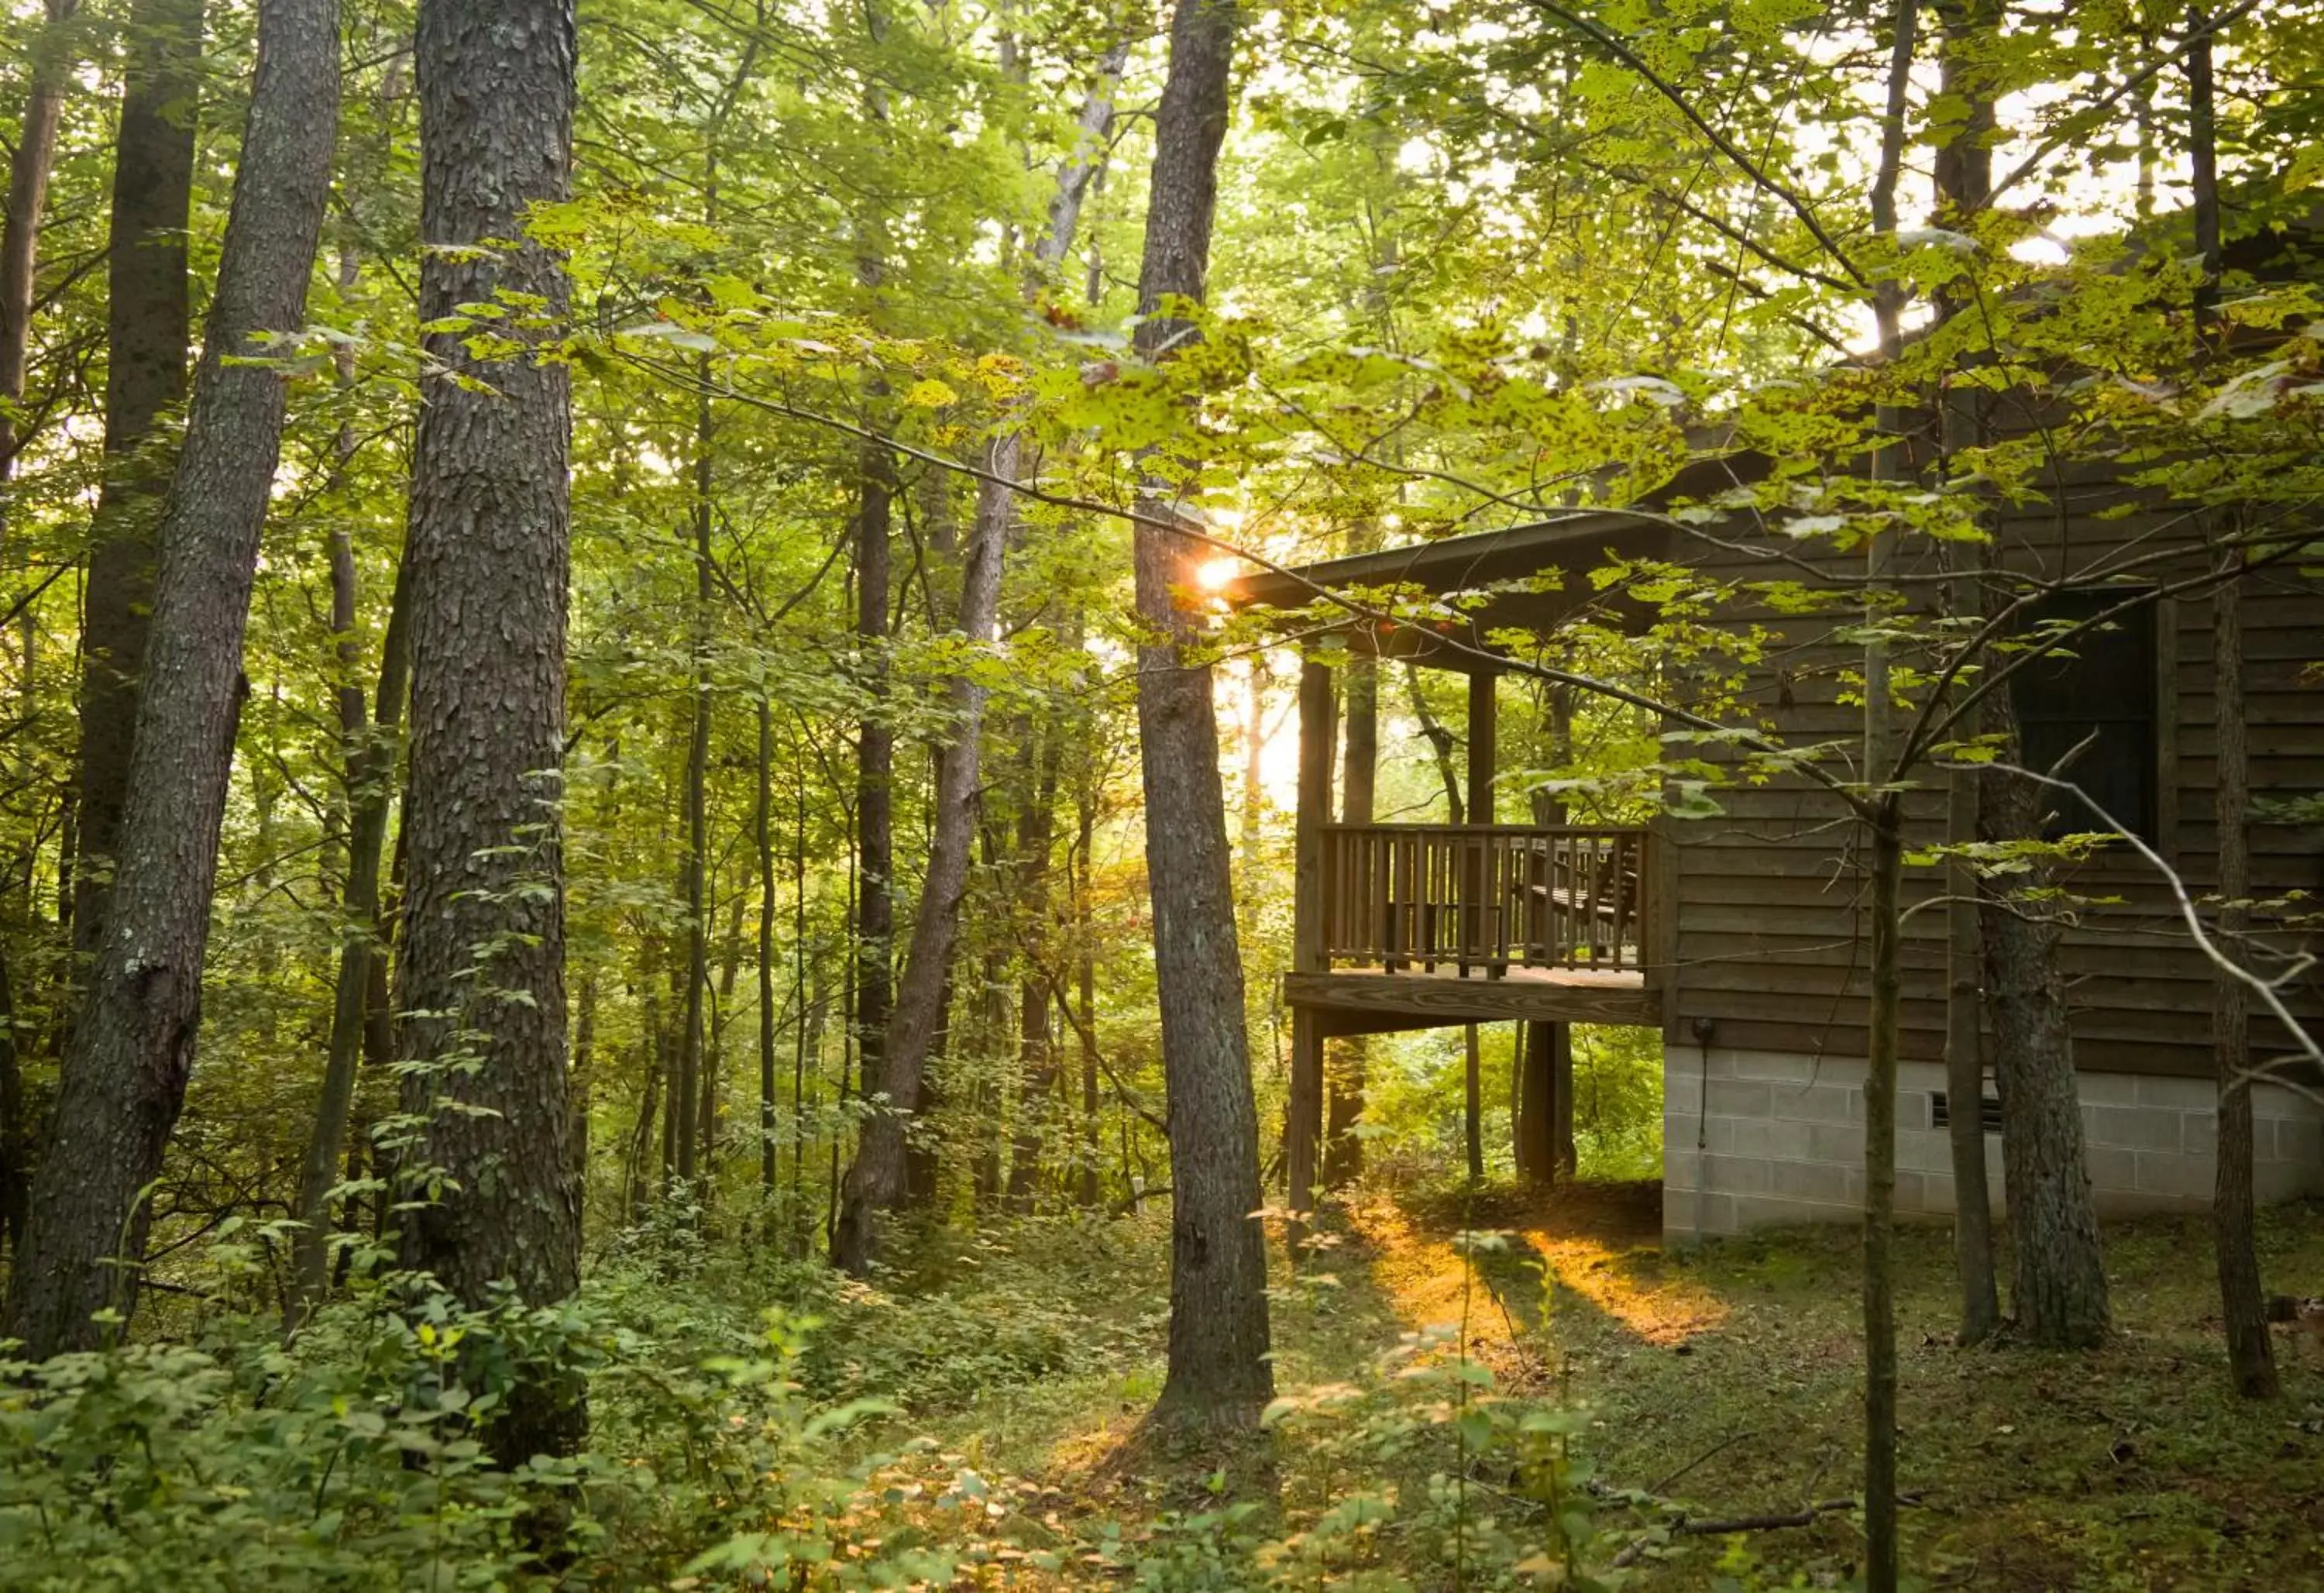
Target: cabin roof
1506	564
1571	545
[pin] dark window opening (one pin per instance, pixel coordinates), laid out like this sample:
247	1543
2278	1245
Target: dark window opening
2098	688
1988	1111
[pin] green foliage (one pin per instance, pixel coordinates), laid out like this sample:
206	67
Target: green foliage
1617	1101
359	1458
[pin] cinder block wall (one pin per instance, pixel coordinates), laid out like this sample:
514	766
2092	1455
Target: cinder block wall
1751	1138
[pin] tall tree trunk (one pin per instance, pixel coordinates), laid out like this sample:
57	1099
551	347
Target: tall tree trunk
1036	1050
124	1075
872	972
2057	1284
15	1132
656	1064
370	753
1085	995
1218	1346
1472	1102
694	869
585	1066
1882	1047
1884	818
20	232
2243	1309
1964	171
763	834
20	228
806	1037
714	1049
489	544
875	767
876	1182
148	326
1344	1149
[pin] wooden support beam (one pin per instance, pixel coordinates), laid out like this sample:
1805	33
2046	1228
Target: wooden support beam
1473	1100
1544	1115
1484	748
1344	1085
1316	727
1303	1128
1373	1002
1560	1037
1529	1121
1658	947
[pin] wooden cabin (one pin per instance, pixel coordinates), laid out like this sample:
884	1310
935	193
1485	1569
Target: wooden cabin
1738	936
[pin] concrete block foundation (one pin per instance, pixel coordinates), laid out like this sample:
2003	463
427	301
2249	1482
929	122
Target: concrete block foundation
1755	1138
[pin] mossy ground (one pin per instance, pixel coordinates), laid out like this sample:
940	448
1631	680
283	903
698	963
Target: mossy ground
1727	1377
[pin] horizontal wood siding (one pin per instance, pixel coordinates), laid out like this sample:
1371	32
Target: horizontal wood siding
1769	897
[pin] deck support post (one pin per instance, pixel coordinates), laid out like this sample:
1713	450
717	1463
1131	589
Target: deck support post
1545	1114
1344	1085
1484	754
1303	1128
1560	1098
1484	748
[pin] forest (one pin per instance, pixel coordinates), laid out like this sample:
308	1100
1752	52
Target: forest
1370	794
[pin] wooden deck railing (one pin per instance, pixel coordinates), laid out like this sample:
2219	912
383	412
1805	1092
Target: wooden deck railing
1484	896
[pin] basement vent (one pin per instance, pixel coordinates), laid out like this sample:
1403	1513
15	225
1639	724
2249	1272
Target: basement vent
1988	1111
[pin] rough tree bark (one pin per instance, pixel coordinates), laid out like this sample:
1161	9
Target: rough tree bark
877	1181
1085	1011
1883	813
1218	1346
763	834
872	969
124	1075
693	867
148	326
484	943
875	766
1964	179
2057	1284
2243	1308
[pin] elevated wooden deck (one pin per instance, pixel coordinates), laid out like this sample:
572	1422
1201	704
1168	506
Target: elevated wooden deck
1412	926
1419	926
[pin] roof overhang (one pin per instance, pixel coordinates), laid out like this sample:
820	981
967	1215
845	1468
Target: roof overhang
1530	577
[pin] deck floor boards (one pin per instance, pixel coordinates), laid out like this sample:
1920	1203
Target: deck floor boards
1369	1001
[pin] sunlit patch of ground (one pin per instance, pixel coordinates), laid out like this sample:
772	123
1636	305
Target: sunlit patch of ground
1592	1245
1725	1379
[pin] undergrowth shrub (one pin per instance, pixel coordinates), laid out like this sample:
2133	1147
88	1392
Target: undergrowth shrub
1617	1101
357	1459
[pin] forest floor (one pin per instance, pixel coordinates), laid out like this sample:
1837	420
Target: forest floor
1726	1377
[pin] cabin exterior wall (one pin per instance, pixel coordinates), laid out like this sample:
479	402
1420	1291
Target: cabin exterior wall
1752	1138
